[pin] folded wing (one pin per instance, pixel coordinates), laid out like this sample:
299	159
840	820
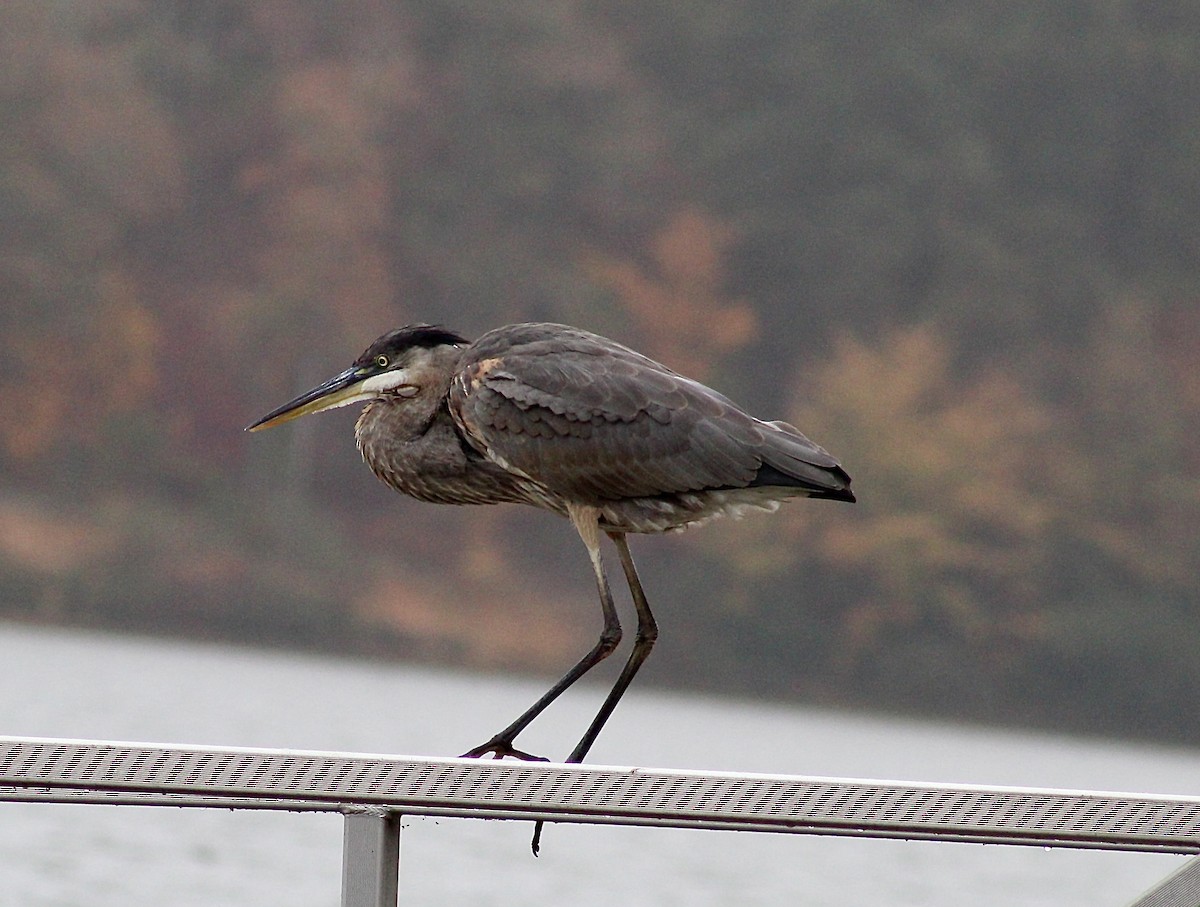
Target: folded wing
591	420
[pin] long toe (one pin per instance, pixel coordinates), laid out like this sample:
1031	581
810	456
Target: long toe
501	749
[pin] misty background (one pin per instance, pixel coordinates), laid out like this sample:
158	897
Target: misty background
954	243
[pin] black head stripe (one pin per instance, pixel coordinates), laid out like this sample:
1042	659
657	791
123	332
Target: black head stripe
393	343
428	335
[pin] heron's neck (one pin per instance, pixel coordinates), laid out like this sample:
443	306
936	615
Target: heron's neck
397	420
397	429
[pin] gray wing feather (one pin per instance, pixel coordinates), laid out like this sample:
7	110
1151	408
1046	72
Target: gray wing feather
590	419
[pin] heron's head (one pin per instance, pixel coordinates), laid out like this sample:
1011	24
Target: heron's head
399	364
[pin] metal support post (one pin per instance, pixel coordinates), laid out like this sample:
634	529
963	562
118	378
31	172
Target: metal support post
371	859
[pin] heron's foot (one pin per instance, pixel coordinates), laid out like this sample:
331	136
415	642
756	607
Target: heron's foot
500	749
536	844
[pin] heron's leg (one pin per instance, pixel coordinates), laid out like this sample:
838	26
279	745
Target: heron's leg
647	633
587	523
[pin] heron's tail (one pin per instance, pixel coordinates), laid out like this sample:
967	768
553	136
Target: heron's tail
790	460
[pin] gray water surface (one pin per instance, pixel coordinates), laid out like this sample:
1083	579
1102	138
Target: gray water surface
59	683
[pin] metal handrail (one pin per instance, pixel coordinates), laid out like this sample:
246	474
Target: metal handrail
376	789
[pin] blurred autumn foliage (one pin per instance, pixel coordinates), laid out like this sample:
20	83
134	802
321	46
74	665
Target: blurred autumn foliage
677	303
957	246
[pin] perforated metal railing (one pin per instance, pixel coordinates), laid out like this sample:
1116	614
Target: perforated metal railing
373	791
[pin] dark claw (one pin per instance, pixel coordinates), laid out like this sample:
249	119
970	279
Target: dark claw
501	749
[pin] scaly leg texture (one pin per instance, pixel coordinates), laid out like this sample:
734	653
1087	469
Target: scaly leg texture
586	520
647	633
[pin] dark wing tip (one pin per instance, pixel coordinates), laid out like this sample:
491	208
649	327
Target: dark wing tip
841	494
825	483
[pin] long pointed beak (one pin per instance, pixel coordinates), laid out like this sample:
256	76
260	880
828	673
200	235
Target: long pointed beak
340	390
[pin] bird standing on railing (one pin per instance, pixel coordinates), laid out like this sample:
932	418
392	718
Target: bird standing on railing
571	422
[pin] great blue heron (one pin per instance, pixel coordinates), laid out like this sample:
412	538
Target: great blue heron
571	422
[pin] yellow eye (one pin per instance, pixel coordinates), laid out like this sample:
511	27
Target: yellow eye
382	361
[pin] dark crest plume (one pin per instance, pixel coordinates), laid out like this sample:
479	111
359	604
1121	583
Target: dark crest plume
412	336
